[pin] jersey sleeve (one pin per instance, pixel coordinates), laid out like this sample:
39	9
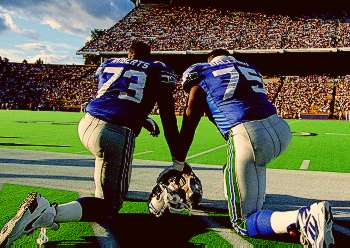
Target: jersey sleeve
167	76
100	69
191	77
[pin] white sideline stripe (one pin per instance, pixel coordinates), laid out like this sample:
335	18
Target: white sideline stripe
342	229
205	152
291	122
141	153
304	165
226	233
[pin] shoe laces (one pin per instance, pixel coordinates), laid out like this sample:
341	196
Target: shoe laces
43	238
308	227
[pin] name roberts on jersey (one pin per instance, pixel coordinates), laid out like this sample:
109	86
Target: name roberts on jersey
135	62
127	90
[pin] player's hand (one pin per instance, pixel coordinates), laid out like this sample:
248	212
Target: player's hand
151	126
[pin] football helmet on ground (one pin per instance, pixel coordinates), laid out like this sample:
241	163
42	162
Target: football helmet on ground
175	191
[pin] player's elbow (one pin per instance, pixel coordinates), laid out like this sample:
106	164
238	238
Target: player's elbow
193	112
188	111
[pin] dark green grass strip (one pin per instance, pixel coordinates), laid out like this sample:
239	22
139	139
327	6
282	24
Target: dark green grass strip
171	231
179	230
134	227
69	234
282	241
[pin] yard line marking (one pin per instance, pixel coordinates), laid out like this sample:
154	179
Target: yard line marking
227	233
205	152
141	153
290	122
341	134
304	165
80	152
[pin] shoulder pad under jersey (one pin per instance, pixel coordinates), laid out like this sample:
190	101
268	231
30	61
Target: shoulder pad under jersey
192	76
167	75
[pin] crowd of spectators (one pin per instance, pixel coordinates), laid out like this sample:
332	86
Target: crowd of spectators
45	87
69	87
54	87
187	28
311	94
342	97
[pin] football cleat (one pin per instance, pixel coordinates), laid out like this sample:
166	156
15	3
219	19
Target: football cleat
35	212
315	225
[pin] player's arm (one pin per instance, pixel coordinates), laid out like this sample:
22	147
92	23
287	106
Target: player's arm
195	106
156	202
194	111
166	104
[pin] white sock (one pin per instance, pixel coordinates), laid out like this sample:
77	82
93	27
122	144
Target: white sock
68	212
281	220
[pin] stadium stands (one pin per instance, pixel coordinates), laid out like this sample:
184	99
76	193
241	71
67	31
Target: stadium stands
311	94
45	87
68	87
342	97
179	28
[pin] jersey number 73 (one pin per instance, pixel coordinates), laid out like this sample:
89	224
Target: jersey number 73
136	79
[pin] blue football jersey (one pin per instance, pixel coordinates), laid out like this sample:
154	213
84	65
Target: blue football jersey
234	90
127	90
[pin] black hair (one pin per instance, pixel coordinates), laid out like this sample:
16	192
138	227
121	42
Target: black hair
218	52
140	50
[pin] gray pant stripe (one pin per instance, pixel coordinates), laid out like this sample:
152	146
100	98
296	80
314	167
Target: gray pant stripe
125	164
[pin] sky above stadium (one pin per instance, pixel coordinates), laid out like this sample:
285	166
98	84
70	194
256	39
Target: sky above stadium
53	30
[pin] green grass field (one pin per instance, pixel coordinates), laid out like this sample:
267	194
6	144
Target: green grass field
327	149
11	197
324	143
